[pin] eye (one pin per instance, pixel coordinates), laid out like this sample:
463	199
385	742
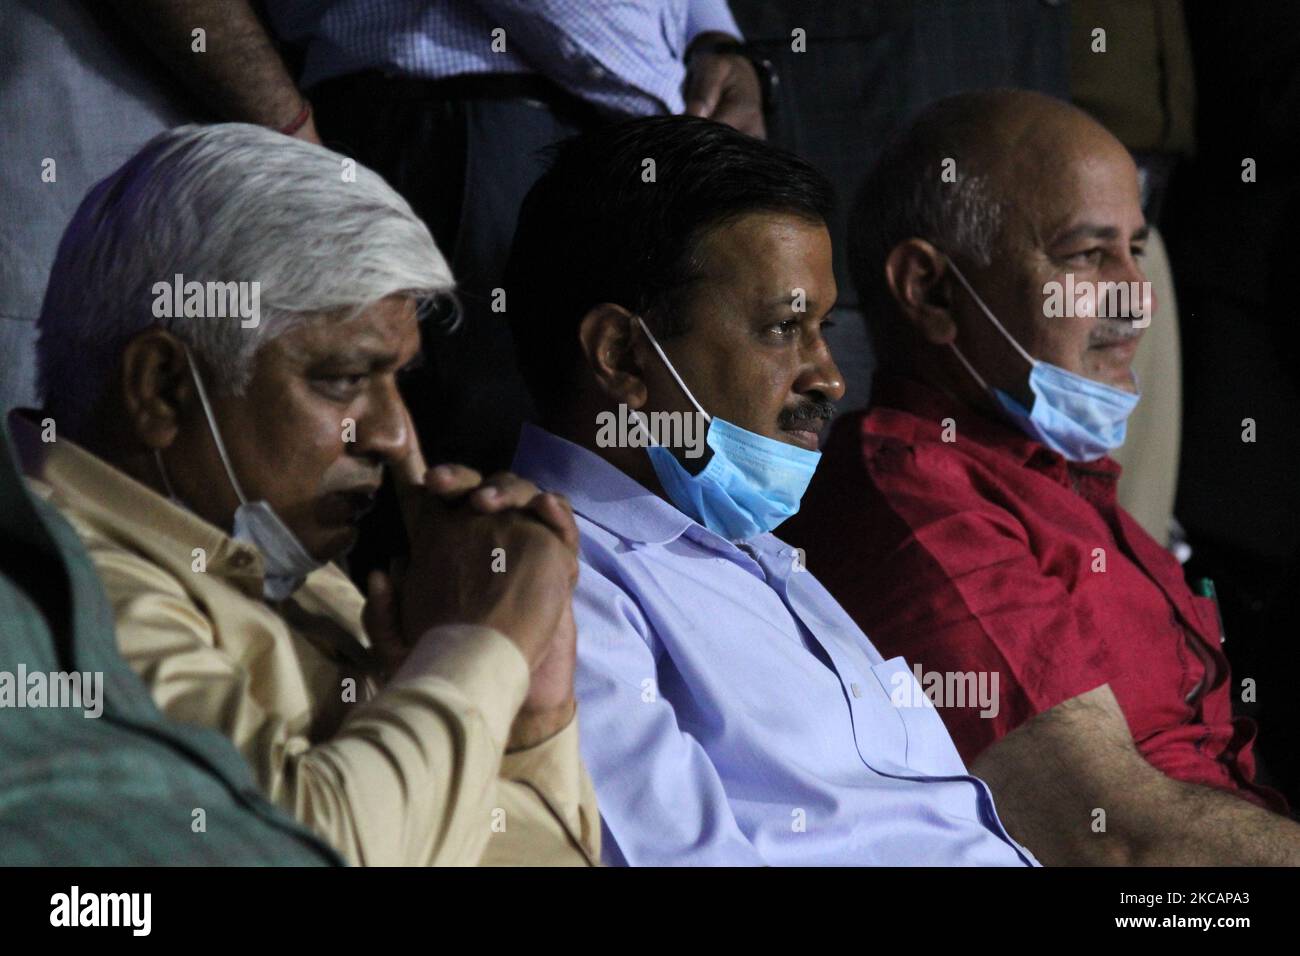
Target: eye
829	323
1138	252
1089	257
784	329
339	387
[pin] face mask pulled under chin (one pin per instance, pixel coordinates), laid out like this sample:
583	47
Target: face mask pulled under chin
751	483
1078	418
285	562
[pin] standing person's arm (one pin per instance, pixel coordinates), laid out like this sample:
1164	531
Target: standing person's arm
721	85
238	74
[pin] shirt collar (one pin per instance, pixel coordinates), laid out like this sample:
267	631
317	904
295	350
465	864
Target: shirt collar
127	510
598	491
911	410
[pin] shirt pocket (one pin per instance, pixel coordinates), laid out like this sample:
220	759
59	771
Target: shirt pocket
930	750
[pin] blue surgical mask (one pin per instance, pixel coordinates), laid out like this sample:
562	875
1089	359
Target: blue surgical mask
1080	419
751	484
285	562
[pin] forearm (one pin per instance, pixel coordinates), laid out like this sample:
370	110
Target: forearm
412	780
1071	786
1191	825
412	777
417	777
1137	817
549	805
239	74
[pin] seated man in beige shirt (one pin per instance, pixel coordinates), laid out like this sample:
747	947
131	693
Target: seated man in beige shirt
222	337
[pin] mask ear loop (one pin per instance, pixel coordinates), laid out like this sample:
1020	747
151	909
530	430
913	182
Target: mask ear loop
992	318
989	312
970	368
162	470
672	371
212	425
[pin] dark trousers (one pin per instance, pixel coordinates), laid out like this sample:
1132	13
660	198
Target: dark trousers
463	152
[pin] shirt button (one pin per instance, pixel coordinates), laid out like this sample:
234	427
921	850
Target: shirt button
857	691
596	73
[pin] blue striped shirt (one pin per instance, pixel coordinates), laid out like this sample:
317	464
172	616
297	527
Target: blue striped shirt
624	56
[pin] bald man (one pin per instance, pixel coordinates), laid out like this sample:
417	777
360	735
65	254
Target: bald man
968	520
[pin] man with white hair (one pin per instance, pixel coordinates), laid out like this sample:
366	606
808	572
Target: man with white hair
222	337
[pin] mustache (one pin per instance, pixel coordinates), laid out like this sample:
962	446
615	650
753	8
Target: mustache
813	412
1109	333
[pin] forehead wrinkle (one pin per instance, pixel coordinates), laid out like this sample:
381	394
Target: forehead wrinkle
365	346
1033	150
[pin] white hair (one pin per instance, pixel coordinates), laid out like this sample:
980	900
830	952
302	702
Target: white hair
324	238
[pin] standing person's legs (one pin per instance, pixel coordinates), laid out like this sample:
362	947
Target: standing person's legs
484	394
464	162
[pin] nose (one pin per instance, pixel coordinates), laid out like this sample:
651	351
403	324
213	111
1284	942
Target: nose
383	430
1150	302
820	373
1134	272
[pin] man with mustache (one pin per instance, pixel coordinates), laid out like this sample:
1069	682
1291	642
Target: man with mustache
968	520
216	465
731	712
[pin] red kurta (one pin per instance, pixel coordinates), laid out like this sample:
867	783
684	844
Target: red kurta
984	554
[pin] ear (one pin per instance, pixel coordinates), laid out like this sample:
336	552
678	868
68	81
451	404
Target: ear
916	274
156	387
608	335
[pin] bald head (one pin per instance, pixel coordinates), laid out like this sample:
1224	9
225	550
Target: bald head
968	166
1003	132
1019	189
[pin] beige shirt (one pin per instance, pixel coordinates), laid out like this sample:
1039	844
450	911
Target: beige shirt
410	774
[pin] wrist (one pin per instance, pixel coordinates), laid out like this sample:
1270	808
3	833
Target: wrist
712	41
723	44
535	727
303	116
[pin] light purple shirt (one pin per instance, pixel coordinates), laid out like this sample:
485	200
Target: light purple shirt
731	713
